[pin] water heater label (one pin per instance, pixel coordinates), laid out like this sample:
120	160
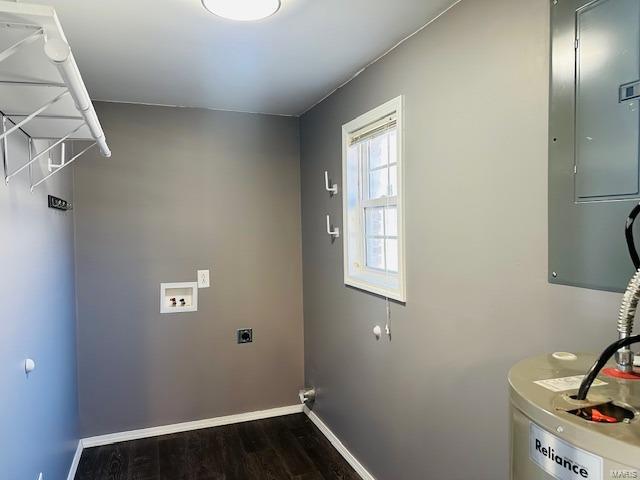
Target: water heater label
561	459
566	383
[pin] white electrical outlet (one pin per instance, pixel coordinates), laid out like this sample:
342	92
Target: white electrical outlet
203	279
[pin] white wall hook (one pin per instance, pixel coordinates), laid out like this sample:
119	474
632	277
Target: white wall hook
29	366
333	189
335	233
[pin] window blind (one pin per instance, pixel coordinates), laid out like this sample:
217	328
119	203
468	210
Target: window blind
374	129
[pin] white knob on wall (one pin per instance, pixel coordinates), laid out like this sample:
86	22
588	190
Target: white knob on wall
377	331
29	365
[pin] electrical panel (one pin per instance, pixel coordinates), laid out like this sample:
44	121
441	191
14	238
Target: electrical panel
594	140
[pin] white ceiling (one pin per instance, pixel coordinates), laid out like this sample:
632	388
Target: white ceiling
173	52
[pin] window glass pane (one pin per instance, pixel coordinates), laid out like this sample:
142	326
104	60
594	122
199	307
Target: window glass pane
375	253
378	183
353	175
375	225
391	221
393	146
392	254
393	181
353	221
378	151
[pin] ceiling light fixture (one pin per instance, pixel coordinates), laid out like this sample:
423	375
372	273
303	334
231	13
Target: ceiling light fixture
242	10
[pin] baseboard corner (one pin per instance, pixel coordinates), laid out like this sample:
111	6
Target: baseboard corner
338	445
75	462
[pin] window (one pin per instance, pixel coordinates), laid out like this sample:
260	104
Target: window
373	210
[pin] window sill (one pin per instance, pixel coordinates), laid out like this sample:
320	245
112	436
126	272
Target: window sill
394	293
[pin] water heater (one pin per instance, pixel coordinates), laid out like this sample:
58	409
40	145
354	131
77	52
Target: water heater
556	436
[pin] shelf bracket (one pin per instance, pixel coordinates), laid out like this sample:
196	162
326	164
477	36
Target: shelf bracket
66	164
63	154
44	152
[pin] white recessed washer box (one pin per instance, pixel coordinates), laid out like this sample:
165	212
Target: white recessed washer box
179	297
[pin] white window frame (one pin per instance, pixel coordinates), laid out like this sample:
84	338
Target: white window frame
363	277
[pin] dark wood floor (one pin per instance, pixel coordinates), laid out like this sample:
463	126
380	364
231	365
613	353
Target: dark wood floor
280	448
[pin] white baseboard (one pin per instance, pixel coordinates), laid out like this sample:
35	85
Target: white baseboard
75	462
217	422
339	446
187	426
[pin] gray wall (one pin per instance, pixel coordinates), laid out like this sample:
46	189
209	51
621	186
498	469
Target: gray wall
188	189
39	413
432	403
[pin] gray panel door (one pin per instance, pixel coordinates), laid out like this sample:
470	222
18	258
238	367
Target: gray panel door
607	127
594	125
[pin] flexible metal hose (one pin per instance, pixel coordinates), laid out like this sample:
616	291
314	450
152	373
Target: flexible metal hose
629	306
626	316
627	313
